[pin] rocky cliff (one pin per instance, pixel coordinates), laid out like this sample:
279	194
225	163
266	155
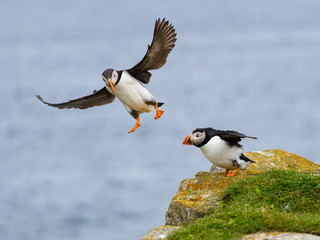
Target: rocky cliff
199	195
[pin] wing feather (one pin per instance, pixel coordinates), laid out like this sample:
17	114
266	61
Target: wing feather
97	98
164	38
232	137
234	134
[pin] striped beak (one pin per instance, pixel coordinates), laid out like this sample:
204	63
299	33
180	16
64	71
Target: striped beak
188	140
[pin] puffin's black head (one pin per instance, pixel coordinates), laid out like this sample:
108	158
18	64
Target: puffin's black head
198	138
111	77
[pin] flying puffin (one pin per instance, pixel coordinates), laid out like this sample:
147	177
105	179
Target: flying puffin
220	147
126	85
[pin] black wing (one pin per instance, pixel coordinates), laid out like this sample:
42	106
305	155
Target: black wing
164	38
246	159
97	98
232	137
233	134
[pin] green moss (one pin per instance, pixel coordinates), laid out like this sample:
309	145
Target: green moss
276	200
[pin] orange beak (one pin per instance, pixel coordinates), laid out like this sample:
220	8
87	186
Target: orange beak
111	85
188	140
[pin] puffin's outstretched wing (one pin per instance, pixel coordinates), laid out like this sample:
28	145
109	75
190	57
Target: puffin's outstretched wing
97	98
164	38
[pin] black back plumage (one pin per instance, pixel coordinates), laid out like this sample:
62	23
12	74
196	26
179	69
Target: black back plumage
231	137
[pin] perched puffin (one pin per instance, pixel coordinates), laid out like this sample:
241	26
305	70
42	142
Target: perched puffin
220	147
126	85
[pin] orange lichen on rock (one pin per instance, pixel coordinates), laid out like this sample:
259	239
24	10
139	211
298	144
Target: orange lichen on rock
276	158
198	196
199	191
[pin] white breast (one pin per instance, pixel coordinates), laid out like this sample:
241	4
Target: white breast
221	154
131	93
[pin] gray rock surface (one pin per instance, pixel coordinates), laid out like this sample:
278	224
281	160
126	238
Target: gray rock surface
158	233
280	236
178	214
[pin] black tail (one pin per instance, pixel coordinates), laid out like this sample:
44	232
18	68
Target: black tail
159	104
244	158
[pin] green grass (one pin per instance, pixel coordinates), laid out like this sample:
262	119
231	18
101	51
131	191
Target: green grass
276	200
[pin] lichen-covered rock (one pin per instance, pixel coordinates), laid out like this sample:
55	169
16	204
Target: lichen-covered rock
195	197
160	232
280	236
276	158
198	196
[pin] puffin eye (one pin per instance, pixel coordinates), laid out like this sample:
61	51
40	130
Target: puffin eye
199	134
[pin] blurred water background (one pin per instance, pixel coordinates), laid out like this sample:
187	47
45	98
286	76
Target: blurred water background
250	66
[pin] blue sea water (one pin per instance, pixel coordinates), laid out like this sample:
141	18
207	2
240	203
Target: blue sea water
250	66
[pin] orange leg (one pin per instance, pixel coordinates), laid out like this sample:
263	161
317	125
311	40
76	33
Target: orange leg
233	173
227	170
136	126
159	112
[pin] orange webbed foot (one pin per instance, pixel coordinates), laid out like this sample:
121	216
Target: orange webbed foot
232	173
136	126
158	113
